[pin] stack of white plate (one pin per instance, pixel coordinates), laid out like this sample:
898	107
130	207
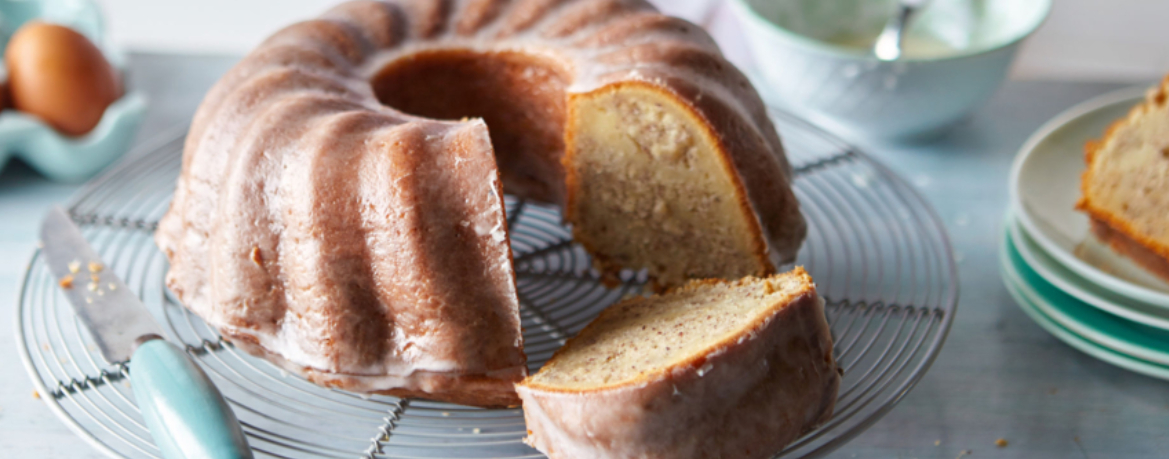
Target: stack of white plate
1074	286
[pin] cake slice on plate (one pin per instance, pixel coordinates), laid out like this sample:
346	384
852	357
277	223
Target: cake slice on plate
712	369
1125	189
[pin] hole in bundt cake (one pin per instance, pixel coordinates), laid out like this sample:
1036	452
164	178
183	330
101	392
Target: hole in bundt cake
646	186
521	97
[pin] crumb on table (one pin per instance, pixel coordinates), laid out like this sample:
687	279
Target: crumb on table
66	282
1001	443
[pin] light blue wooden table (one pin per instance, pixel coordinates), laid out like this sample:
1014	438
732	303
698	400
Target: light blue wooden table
999	375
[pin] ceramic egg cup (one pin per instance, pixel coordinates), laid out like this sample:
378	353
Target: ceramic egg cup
57	156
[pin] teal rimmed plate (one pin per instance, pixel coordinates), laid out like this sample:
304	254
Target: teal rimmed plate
1090	293
1125	344
1083	345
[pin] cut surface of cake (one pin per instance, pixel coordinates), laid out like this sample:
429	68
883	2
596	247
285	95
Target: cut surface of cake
342	186
1125	188
711	369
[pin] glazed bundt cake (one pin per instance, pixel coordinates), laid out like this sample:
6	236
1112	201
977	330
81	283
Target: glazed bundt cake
1125	188
340	209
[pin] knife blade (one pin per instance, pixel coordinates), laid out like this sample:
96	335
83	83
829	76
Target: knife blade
187	416
111	311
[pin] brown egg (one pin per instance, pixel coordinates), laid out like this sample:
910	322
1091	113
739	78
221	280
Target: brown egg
59	76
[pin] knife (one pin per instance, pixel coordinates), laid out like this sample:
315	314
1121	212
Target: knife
186	414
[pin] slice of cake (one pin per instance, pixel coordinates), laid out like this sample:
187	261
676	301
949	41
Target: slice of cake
1125	189
712	369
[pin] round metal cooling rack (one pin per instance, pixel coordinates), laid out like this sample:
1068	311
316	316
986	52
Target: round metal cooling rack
877	251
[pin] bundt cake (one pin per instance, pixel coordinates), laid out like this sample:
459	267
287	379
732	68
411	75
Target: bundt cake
1125	189
714	369
340	206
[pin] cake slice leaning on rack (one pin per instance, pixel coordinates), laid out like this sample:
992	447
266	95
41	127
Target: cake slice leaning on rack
712	369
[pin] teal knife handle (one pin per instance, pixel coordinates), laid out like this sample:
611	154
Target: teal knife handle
186	414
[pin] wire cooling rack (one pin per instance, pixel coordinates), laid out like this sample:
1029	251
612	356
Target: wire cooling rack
878	253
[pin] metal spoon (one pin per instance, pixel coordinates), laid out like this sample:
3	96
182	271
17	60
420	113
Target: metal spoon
888	45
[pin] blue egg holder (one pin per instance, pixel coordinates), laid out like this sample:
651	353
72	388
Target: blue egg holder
57	156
